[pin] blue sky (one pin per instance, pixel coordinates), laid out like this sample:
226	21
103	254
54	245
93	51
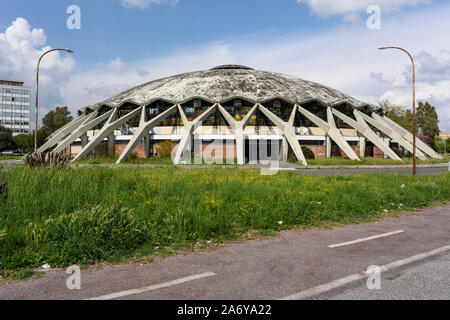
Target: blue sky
110	30
123	43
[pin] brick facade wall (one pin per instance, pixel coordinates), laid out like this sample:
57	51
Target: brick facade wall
338	152
319	151
139	150
377	153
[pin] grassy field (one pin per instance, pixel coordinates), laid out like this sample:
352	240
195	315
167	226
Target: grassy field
91	214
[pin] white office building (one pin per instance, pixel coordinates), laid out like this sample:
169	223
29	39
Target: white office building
15	106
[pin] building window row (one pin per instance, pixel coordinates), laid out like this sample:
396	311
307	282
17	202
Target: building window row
8	107
16	122
16	91
15	115
17	99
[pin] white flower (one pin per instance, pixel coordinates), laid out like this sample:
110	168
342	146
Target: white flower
280	222
403	186
385	211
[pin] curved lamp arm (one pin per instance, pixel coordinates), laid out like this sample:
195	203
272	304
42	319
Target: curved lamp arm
37	93
414	101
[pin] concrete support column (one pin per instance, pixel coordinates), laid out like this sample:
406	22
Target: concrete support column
365	131
147	145
362	147
285	146
240	145
111	144
409	137
253	151
84	140
387	141
328	146
144	127
331	131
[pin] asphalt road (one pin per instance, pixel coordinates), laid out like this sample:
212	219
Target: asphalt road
428	279
327	264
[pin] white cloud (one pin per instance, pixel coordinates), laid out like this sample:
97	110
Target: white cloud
350	9
143	4
20	49
438	94
109	79
432	84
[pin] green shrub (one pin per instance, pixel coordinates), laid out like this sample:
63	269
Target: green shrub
165	148
84	235
441	145
308	153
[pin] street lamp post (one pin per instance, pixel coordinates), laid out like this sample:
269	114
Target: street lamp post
414	101
37	94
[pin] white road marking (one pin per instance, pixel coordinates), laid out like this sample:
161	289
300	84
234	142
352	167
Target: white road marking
362	275
365	239
153	287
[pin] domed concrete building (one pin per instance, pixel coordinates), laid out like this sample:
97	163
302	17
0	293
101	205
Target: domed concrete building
239	113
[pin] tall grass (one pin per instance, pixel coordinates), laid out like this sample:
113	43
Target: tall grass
89	214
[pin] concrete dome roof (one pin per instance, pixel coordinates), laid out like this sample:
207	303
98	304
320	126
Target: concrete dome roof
226	82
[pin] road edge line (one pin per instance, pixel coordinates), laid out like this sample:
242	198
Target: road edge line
125	293
364	274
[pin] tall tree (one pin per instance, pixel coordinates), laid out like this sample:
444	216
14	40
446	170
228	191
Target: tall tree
24	142
56	119
427	120
6	139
